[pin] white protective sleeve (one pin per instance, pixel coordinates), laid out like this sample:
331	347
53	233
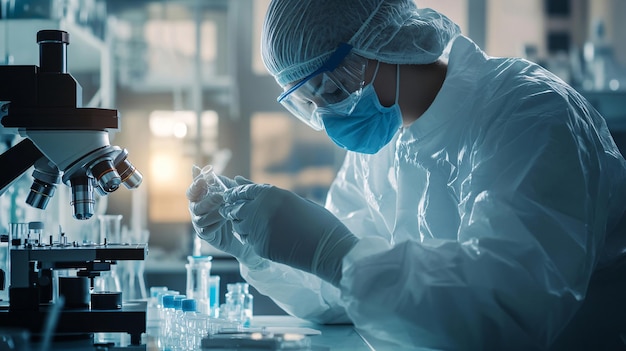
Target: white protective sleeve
299	293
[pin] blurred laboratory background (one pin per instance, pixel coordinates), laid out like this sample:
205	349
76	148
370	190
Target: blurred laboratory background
187	79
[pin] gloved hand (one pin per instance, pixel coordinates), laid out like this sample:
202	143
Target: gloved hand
289	229
204	204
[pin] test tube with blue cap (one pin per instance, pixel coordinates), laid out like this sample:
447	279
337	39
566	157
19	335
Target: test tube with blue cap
215	184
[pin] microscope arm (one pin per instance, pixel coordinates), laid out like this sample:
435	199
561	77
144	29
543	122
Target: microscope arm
16	161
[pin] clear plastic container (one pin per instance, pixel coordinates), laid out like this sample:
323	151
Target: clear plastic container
155	306
197	329
164	308
213	181
172	340
198	281
110	229
234	303
248	302
224	326
215	184
4	265
18	231
214	295
193	326
35	233
110	233
165	327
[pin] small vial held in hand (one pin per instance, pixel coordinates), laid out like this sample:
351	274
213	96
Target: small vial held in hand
213	181
216	185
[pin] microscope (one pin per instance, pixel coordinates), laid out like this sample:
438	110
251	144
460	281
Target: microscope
64	141
70	144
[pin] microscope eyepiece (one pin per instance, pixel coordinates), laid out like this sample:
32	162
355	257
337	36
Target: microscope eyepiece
53	35
53	50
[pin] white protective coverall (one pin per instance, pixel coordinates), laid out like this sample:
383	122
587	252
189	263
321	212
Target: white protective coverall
480	223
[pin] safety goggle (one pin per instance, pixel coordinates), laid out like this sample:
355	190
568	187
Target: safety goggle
339	80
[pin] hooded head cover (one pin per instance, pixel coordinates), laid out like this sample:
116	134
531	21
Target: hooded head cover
298	36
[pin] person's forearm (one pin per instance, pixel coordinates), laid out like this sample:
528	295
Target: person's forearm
300	294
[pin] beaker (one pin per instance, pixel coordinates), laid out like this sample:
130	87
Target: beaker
110	229
18	231
133	281
35	232
198	273
216	185
110	233
4	266
132	272
107	281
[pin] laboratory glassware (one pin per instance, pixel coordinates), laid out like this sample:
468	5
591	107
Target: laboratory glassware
198	286
110	233
248	302
214	295
132	272
234	303
110	229
215	184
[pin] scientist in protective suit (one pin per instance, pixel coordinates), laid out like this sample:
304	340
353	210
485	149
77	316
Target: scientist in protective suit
480	204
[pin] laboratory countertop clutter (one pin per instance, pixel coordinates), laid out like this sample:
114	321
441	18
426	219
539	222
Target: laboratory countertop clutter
81	316
196	320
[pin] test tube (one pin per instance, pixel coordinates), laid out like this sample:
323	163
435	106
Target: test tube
215	184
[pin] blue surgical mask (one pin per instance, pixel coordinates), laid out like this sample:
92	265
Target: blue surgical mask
368	128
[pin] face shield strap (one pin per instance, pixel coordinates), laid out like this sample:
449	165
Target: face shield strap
375	72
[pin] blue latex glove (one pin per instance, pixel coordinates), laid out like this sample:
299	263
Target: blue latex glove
289	229
204	205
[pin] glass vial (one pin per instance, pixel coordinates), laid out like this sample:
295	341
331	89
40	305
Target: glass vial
198	287
248	302
214	295
234	303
